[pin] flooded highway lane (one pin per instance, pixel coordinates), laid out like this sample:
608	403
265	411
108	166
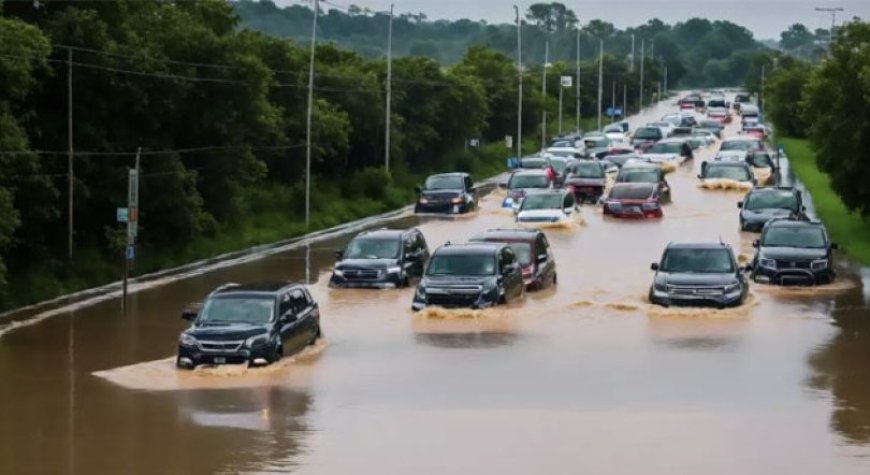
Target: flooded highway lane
586	377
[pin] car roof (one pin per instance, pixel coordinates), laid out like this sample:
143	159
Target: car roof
674	139
741	139
507	234
650	186
449	174
254	288
641	165
384	233
770	189
469	248
698	245
794	223
728	164
530	172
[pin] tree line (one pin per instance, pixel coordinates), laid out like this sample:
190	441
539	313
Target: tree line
219	111
829	103
697	52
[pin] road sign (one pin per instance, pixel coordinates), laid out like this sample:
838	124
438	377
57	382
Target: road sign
131	252
122	215
611	112
567	81
509	141
133	206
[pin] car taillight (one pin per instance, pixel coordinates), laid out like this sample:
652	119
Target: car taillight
528	271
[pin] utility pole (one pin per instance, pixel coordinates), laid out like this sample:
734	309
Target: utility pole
520	80
642	57
389	91
544	93
308	122
631	66
70	170
613	103
624	101
761	93
666	80
561	90
833	11
577	87
600	78
132	225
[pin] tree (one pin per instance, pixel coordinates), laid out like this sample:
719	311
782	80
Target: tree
795	37
552	17
783	94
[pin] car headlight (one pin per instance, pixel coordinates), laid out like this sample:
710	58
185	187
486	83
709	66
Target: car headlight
257	341
188	340
423	201
420	293
394	270
819	264
732	288
456	201
338	272
768	263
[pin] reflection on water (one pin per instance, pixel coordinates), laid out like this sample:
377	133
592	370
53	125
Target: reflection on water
484	339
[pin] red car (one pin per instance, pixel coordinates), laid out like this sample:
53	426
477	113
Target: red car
633	201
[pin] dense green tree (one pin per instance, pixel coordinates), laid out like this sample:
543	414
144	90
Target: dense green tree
783	92
552	17
795	37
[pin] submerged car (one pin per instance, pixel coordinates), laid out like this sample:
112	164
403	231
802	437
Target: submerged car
765	204
386	258
533	252
547	207
256	324
646	137
713	126
587	179
475	275
447	193
793	252
521	182
669	150
735	171
643	172
633	201
696	274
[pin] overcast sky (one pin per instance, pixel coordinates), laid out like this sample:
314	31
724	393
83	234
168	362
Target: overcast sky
765	18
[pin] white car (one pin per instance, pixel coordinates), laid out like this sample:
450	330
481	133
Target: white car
565	152
666	127
546	207
706	135
614	133
731	156
668	150
675	119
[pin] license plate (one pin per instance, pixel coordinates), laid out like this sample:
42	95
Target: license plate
220	360
456	208
633	209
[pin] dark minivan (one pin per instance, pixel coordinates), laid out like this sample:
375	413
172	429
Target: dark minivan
386	258
256	324
447	193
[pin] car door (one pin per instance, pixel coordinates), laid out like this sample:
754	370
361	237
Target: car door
286	319
544	259
299	332
410	262
513	277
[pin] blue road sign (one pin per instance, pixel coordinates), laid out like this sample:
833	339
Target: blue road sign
131	252
123	215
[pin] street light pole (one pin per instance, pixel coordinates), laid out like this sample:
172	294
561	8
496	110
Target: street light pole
631	68
642	46
577	87
71	172
389	91
544	94
308	121
520	80
833	11
600	78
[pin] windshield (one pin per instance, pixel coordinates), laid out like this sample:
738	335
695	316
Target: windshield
631	192
639	176
740	145
459	264
533	163
559	165
587	170
731	173
716	103
254	310
597	142
669	147
528	181
362	248
700	261
710	124
542	201
448	182
647	133
794	236
772	199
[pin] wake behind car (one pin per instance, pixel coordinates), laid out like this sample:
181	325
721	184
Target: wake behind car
474	275
696	274
386	258
256	324
765	204
520	182
447	193
793	252
532	250
550	206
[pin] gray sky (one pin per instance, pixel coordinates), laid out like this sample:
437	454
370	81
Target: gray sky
765	18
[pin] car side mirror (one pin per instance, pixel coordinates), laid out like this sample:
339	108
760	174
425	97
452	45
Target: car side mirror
542	259
756	243
739	205
339	255
189	314
834	246
654	266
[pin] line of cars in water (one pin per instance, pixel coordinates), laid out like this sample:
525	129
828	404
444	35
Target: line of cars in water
260	323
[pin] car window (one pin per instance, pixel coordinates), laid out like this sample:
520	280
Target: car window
541	245
257	309
730	173
298	300
284	305
640	175
569	201
528	181
409	245
421	242
372	248
540	201
443	182
784	199
587	170
468	183
794	236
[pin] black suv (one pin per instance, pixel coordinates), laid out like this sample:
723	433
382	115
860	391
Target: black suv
793	252
255	324
386	258
474	275
763	204
532	250
447	193
698	274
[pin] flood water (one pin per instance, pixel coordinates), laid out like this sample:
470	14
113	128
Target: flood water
586	378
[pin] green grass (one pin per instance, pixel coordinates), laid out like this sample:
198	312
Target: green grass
848	229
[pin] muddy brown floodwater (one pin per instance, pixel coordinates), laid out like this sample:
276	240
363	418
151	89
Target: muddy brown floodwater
586	378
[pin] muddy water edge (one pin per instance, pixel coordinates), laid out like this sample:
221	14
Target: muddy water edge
584	377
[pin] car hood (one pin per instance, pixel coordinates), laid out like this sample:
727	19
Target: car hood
226	331
687	279
456	281
660	157
766	214
792	253
365	264
537	214
579	181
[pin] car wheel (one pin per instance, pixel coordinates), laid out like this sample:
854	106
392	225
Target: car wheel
277	354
